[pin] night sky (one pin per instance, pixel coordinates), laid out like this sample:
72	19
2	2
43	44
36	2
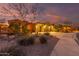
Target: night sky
54	12
62	11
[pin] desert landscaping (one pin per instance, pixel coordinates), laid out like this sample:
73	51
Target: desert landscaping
57	44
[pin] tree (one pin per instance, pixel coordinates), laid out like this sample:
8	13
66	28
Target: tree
25	30
58	27
19	10
15	27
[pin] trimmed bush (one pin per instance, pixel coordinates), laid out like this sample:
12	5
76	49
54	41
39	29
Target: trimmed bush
13	33
22	42
43	40
27	42
31	40
46	34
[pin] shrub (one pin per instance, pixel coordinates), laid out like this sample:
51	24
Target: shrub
66	31
31	40
15	27
43	40
27	42
11	34
22	42
46	34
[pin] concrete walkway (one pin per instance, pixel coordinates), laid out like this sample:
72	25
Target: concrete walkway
66	46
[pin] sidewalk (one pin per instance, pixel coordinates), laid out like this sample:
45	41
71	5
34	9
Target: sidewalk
66	46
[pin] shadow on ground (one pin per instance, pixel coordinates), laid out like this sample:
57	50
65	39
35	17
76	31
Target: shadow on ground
77	39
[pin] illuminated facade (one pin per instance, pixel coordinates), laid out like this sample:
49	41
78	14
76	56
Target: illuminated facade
24	27
44	27
4	27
